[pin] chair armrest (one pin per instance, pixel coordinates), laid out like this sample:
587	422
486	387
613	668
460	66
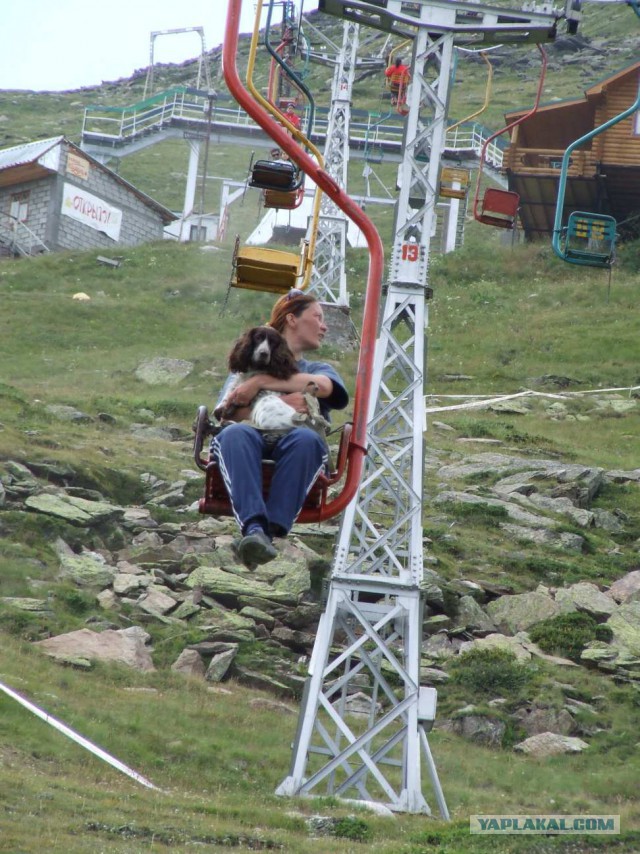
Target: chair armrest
202	428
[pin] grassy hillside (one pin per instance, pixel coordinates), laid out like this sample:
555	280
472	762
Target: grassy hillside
503	319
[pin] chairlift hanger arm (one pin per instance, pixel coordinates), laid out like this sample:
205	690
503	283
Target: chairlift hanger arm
358	440
289	71
519	120
487	95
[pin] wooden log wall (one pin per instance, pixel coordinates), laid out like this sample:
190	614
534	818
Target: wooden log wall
620	144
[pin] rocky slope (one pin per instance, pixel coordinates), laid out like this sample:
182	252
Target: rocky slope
156	593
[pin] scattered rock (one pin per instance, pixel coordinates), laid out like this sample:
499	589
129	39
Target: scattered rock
163	371
220	664
481	729
514	645
78	511
625	625
190	663
586	597
627	587
127	646
518	613
550	744
535	720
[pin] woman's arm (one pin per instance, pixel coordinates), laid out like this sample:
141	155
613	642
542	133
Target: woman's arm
244	393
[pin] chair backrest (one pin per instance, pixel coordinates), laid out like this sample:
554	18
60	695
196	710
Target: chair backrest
499	207
449	178
590	237
269	270
274	175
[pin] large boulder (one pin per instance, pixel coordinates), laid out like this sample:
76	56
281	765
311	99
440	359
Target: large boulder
518	613
627	587
515	645
163	371
473	617
77	511
535	720
625	625
127	646
229	586
550	744
88	569
586	597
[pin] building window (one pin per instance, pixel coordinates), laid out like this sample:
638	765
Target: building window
20	206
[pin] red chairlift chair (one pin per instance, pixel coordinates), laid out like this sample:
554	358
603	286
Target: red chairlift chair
500	207
216	499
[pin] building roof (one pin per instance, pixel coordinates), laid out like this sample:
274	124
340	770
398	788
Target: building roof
28	152
33	160
591	92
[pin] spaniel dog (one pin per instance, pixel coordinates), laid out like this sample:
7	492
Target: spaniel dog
262	350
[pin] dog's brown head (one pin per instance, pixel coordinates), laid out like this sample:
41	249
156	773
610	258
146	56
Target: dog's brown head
262	349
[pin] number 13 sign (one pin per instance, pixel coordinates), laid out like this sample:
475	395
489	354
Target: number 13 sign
410	251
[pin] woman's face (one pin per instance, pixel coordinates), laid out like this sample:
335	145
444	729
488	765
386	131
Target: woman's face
308	328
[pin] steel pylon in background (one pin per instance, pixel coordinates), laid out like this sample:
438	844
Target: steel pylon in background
328	280
363	726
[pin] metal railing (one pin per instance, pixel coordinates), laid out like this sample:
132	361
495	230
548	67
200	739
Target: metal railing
471	137
183	105
18	237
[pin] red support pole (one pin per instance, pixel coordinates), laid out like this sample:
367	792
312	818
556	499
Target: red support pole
358	443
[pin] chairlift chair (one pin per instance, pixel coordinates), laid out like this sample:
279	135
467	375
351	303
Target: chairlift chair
353	443
270	270
373	153
216	498
500	207
454	182
590	239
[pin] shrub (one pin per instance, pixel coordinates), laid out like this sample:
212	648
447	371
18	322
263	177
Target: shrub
490	671
568	634
351	827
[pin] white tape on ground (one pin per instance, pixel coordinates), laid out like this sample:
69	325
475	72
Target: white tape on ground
477	401
74	736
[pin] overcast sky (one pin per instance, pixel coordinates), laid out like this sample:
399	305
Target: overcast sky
67	44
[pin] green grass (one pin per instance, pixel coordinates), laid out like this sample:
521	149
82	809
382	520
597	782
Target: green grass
216	762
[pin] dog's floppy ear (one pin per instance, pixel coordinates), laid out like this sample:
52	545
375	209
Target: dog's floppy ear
240	354
283	363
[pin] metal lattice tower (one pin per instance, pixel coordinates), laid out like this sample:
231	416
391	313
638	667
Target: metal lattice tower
374	605
328	280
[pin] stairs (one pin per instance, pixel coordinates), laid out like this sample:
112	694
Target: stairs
17	239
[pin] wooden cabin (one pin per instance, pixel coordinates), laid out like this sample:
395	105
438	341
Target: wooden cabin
604	174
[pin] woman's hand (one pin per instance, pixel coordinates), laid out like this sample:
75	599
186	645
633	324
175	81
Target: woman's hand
298	401
243	394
